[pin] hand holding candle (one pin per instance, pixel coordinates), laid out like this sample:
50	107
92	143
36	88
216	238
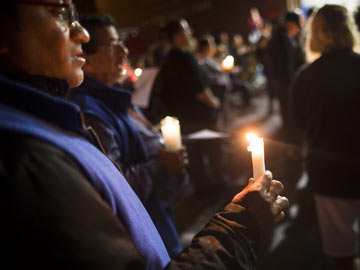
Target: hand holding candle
170	129
256	148
263	185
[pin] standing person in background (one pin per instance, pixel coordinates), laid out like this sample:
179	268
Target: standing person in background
256	23
181	88
161	49
243	70
263	59
157	176
218	79
223	45
325	99
285	56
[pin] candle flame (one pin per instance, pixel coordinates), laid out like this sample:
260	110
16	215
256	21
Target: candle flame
251	136
228	62
168	120
253	139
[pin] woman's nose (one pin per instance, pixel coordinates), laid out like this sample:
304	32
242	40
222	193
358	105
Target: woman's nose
79	33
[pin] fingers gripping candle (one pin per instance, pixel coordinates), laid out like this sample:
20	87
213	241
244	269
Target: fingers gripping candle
170	129
256	148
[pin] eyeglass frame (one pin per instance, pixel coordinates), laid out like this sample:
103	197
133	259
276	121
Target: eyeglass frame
115	44
72	14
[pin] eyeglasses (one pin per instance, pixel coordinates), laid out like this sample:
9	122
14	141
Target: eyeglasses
114	45
66	12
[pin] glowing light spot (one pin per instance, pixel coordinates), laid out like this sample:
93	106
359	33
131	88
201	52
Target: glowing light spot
228	62
251	136
138	72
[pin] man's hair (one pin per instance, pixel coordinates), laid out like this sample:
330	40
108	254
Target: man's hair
91	22
205	42
172	28
331	29
291	16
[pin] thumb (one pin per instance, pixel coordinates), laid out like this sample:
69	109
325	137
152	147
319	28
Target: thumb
264	181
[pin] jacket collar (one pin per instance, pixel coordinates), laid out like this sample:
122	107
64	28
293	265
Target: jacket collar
115	98
41	104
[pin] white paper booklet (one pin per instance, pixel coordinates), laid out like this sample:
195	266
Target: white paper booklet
141	95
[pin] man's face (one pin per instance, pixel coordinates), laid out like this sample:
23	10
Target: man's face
45	44
106	64
293	29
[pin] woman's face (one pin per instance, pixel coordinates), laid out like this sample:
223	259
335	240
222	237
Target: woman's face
45	44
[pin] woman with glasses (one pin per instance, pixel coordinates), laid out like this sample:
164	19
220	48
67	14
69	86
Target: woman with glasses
59	194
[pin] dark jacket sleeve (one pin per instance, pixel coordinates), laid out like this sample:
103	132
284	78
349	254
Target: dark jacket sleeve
224	243
231	238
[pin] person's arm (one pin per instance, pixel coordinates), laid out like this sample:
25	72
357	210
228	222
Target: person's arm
207	97
229	240
197	82
224	243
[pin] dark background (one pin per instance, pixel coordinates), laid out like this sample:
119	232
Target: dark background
141	19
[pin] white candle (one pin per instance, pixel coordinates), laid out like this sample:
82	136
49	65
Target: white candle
256	148
170	129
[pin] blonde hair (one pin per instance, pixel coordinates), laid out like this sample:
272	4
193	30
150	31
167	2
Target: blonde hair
331	28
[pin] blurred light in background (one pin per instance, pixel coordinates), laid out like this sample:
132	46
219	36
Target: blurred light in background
351	5
138	72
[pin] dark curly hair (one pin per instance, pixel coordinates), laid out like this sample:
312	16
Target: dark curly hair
91	22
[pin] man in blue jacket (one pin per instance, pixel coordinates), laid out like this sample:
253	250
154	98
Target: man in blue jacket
106	109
